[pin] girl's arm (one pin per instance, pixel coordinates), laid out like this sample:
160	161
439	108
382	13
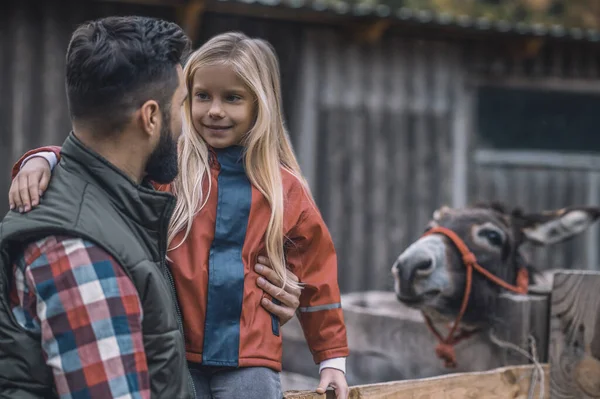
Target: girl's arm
50	153
29	185
30	179
313	259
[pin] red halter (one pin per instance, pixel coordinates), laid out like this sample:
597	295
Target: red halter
445	348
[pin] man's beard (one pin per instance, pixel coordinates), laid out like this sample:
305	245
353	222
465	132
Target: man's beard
162	165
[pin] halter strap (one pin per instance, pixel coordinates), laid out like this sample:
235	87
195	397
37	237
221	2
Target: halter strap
445	348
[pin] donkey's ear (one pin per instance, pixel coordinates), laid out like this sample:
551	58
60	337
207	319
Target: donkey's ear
441	212
551	227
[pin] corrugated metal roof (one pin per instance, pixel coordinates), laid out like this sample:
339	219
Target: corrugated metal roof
438	18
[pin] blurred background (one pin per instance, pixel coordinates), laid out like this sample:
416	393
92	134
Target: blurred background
395	108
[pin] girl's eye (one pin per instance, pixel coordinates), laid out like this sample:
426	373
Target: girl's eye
233	98
202	96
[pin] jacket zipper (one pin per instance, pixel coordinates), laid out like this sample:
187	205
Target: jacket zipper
167	271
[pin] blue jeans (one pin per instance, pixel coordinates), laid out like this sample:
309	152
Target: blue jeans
236	383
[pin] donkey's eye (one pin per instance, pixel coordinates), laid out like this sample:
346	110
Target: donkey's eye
492	236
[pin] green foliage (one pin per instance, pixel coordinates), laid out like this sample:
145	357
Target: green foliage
568	13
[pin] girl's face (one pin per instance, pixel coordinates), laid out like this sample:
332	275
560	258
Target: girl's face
223	108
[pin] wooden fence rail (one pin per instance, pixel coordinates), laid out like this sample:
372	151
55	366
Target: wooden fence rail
503	383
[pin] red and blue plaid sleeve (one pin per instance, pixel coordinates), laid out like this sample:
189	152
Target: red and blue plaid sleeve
89	315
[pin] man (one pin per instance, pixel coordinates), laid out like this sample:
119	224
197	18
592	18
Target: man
87	304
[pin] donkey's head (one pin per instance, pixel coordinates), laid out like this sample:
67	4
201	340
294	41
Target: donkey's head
430	274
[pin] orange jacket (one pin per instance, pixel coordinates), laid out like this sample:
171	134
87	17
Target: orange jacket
224	323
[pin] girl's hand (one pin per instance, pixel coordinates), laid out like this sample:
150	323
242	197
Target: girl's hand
29	184
336	379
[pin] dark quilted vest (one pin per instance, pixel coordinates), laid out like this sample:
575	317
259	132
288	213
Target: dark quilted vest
91	199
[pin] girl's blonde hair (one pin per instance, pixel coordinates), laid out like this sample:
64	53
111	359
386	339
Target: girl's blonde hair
267	144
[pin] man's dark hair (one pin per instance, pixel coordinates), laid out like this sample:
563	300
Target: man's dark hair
115	64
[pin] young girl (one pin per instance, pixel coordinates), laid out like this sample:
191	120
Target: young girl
241	195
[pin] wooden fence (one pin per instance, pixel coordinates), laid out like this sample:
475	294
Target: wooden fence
563	317
503	383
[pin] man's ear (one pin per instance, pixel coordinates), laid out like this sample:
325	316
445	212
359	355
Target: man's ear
551	227
150	117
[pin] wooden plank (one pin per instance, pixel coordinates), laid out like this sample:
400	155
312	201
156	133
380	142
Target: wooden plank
377	168
541	83
543	200
190	17
592	236
22	73
520	316
421	135
487	185
354	187
55	112
332	153
544	159
575	248
6	101
398	148
305	123
557	62
444	69
148	2
575	335
560	198
370	32
462	123
502	383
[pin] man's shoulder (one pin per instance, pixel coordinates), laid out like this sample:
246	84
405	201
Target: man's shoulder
58	263
53	248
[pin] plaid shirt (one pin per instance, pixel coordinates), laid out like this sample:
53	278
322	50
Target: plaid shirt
89	315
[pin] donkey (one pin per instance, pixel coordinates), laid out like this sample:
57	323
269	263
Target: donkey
455	272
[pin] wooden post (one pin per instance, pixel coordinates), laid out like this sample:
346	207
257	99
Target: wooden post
462	120
370	33
190	16
306	121
575	335
518	317
593	234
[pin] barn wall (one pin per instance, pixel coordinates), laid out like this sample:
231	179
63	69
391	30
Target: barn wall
385	132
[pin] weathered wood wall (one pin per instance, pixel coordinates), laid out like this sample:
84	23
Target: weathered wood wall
544	180
33	40
380	155
575	335
384	131
529	178
372	124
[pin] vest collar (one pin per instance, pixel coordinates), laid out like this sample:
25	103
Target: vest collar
140	202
